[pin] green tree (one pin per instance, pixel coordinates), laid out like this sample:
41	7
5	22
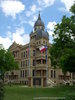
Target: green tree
62	52
7	63
73	8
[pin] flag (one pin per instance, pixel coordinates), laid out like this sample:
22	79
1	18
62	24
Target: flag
43	48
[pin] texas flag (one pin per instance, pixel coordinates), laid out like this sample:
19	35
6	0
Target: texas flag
43	48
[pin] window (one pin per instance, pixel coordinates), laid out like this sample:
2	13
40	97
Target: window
21	63
35	36
34	72
39	42
33	52
21	73
44	42
51	73
33	62
24	54
26	62
25	73
54	74
15	53
44	61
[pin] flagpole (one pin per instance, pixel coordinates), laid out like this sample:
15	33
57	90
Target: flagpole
46	68
35	67
44	48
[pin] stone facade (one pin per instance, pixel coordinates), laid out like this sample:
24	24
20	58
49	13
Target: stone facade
34	68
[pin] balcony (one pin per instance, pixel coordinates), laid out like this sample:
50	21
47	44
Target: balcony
40	55
41	65
39	73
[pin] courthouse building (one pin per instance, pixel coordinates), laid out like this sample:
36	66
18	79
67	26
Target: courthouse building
35	66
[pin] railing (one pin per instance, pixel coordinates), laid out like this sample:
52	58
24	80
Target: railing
40	55
41	65
50	82
39	76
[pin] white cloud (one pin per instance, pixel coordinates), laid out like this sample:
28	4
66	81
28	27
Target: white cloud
11	8
68	4
51	25
50	32
62	9
41	4
32	20
18	36
20	31
9	27
28	13
9	34
45	3
34	17
31	23
33	8
50	29
6	42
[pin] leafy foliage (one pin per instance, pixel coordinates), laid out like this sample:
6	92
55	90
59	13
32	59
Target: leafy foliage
7	63
63	48
73	8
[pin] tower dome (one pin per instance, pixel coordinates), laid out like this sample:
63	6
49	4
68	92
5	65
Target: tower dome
42	34
39	23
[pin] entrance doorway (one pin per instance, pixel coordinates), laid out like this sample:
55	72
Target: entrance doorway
37	81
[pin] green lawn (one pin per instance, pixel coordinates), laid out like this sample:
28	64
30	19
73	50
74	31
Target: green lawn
25	93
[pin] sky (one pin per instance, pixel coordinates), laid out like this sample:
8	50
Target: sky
17	18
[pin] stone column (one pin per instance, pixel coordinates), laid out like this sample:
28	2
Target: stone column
42	82
31	82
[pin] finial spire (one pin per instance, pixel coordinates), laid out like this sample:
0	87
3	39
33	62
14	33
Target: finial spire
39	12
39	16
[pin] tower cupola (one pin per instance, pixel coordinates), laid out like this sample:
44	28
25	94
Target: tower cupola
39	24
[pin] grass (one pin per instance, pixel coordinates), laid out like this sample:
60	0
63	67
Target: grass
25	93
